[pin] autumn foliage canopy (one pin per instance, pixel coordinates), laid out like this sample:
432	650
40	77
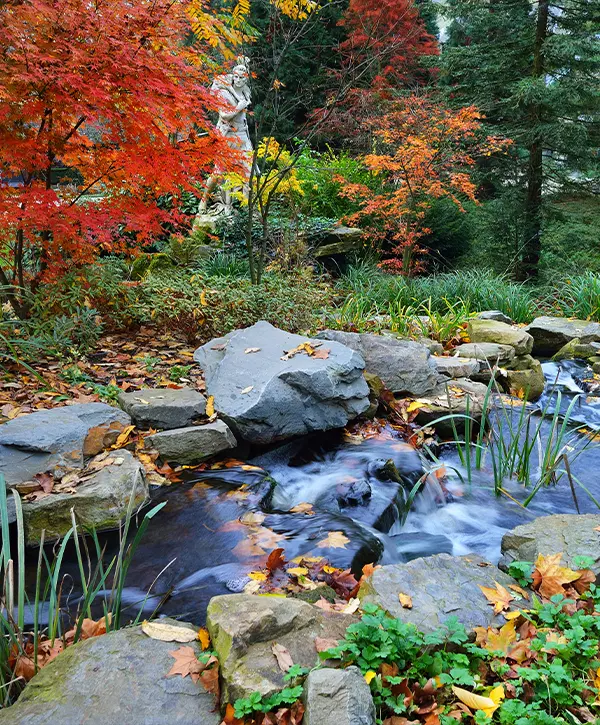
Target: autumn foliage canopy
423	151
108	92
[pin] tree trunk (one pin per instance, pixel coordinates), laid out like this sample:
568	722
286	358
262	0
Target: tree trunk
533	204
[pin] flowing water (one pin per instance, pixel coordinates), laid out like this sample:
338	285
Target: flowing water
335	496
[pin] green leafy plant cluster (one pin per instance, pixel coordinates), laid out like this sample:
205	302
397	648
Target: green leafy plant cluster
287	696
555	683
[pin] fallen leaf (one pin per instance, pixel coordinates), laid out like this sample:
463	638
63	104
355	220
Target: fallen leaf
204	638
303	508
249	350
488	705
516	588
499	597
495	640
123	436
549	577
322	354
45	481
334	540
369	676
166	632
322	644
210	405
257	576
247	390
275	560
186	663
283	657
405	600
297	571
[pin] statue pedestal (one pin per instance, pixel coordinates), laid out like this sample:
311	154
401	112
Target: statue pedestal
206	220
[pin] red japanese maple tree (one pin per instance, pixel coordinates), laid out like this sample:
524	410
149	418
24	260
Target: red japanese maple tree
422	151
98	96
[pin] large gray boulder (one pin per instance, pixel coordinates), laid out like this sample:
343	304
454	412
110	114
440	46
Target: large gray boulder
244	628
499	332
440	586
193	444
100	501
568	534
57	439
163	408
338	697
551	333
404	366
115	679
265	398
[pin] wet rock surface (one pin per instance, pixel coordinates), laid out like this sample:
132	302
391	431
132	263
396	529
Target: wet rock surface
100	501
265	398
569	534
403	366
163	408
244	628
338	697
117	678
57	439
193	444
440	586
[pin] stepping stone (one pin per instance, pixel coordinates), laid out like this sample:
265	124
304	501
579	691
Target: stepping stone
163	408
193	444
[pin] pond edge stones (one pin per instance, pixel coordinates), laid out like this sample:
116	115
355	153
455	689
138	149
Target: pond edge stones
193	444
266	395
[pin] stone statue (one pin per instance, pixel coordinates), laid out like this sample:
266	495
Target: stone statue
234	91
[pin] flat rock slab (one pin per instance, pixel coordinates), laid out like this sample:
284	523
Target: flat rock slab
452	397
59	438
338	697
404	366
163	408
244	628
193	444
100	501
456	367
551	333
116	679
487	352
440	586
568	534
265	398
493	331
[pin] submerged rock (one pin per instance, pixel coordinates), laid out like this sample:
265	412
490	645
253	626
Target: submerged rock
114	679
100	501
266	398
529	382
440	586
569	534
193	444
163	408
338	697
499	332
58	439
244	628
550	334
404	366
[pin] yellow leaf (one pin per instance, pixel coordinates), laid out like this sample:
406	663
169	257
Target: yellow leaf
415	405
511	615
478	702
204	637
297	571
370	675
203	300
330	569
334	540
405	600
499	597
549	576
210	406
123	436
258	576
247	390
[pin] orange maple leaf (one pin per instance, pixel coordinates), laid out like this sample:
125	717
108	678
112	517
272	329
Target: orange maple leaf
549	577
499	597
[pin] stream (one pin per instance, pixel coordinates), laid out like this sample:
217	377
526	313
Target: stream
335	497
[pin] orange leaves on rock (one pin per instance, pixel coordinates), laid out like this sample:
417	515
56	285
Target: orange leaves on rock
187	663
334	540
310	348
498	596
405	600
550	578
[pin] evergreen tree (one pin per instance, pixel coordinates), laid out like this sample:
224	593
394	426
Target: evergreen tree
533	69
